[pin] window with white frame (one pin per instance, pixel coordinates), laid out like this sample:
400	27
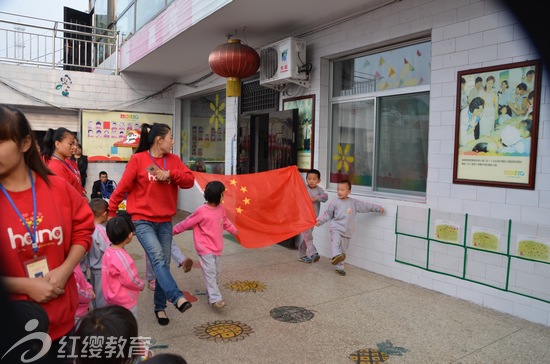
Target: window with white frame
380	112
203	132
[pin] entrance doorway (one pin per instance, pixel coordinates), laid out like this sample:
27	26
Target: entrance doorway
266	141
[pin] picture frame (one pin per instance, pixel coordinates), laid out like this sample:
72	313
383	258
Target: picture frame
496	129
306	128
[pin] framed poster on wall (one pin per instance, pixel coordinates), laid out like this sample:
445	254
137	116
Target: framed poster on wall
306	128
102	130
496	127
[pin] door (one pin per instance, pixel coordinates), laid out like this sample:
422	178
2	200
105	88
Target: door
77	46
267	141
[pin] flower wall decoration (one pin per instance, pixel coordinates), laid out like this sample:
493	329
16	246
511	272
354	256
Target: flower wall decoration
344	161
217	116
183	142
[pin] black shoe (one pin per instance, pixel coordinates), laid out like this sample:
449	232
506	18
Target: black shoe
184	306
163	321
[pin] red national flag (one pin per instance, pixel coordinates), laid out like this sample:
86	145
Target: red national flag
266	207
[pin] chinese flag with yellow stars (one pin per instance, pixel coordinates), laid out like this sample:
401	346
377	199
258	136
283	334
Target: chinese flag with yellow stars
266	207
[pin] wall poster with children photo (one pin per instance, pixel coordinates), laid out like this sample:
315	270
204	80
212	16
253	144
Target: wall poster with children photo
497	125
109	136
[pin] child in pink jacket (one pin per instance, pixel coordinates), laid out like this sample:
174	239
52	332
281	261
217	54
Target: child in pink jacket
208	223
120	279
85	293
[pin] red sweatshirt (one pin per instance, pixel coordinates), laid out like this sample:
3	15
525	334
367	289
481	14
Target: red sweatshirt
149	199
68	171
64	219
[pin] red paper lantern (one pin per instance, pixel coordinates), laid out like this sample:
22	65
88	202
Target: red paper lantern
234	61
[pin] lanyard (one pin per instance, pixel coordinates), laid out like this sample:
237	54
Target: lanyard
33	236
156	164
75	171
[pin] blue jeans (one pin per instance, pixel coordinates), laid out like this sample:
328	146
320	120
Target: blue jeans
156	239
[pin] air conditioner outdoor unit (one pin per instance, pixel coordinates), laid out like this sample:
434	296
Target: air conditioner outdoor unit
284	62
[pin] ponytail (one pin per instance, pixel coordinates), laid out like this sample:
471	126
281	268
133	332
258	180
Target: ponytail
149	134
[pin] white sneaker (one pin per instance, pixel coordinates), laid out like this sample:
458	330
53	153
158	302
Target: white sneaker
219	304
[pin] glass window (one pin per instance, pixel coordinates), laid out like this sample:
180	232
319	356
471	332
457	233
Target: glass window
402	163
392	69
147	10
125	24
380	113
353	142
121	5
203	136
102	15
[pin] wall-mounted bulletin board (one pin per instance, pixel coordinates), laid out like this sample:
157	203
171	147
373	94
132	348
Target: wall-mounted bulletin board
498	253
101	130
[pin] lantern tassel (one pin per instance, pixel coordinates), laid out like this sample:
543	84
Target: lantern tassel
233	87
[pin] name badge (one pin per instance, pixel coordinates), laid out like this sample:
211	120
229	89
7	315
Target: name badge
37	267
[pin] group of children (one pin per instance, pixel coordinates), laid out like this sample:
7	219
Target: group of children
114	279
113	274
341	214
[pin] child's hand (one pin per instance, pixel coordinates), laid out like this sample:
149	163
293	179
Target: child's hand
382	210
317	223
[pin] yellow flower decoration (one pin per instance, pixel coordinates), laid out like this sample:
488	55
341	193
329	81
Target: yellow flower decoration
183	142
217	108
343	159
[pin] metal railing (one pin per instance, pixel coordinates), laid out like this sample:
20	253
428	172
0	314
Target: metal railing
58	45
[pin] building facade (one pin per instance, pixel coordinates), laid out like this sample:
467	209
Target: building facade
386	93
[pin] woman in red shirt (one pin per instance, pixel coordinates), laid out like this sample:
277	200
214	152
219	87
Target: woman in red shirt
57	153
150	184
45	229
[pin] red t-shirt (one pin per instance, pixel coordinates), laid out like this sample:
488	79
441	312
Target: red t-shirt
64	219
68	171
149	199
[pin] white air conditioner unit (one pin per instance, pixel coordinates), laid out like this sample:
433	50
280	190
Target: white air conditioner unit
284	62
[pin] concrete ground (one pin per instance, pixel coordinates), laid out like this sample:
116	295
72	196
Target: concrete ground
280	310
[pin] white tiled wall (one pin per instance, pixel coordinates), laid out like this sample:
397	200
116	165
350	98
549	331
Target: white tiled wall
465	35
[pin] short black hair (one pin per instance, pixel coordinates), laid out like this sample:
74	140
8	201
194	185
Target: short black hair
213	192
345	182
508	110
528	124
476	103
111	321
522	87
167	358
119	228
314	171
98	206
480	147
